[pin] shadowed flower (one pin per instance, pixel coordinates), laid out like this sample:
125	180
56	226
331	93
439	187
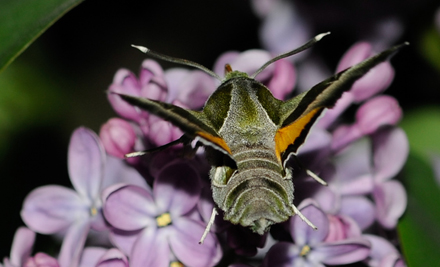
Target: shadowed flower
41	260
310	247
155	225
100	257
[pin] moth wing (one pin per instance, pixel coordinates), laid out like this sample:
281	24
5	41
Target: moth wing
299	113
192	123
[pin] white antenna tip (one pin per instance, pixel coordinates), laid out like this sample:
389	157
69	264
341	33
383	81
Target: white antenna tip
320	36
141	48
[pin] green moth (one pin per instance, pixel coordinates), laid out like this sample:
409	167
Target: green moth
249	135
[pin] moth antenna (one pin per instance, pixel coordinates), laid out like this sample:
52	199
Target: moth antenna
177	60
183	139
309	172
316	177
309	223
291	53
208	226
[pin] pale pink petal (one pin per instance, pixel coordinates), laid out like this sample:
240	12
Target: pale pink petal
304	234
73	244
118	137
130	208
184	243
283	80
52	208
391	199
342	252
150	250
377	112
86	159
91	256
113	258
360	209
22	245
177	188
355	54
391	148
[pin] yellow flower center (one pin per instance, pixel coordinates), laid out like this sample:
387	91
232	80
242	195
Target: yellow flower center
304	250
176	264
163	220
93	211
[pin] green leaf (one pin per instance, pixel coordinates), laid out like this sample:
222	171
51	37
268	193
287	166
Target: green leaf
422	127
419	228
22	21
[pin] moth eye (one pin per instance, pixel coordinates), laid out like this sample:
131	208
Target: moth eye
221	175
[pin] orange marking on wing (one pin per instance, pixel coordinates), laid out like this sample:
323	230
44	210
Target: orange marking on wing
216	140
287	135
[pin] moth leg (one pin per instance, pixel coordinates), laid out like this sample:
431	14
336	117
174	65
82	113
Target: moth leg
309	172
208	226
183	139
309	223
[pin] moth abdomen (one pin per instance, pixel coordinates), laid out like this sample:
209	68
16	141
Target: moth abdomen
257	195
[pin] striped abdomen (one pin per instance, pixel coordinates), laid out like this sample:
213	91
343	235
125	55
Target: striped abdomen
257	194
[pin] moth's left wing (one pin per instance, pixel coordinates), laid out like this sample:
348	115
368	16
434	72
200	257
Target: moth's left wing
299	113
190	122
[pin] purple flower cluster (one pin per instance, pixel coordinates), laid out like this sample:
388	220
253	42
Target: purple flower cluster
152	210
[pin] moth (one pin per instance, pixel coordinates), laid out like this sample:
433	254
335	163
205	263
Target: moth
249	136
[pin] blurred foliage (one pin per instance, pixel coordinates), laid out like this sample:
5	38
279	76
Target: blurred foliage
22	21
419	228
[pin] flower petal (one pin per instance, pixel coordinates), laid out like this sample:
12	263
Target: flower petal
184	239
91	256
342	252
377	112
130	208
391	148
21	249
118	137
284	29
52	208
283	254
124	240
86	160
360	209
283	79
73	244
391	199
380	248
304	234
177	188
41	260
113	258
354	55
150	250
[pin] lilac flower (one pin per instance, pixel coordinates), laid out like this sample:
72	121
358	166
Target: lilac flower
21	248
55	209
41	260
391	148
118	137
152	225
100	257
311	248
383	253
280	77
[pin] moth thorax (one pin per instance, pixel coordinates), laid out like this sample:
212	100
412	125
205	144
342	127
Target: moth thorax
255	198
